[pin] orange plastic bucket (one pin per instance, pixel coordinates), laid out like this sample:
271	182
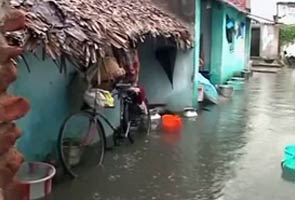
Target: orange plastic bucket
171	123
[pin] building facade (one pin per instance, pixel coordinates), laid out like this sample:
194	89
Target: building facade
225	38
285	12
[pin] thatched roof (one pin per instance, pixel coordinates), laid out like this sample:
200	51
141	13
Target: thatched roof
82	30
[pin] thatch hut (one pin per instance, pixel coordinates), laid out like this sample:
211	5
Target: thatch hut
81	31
75	34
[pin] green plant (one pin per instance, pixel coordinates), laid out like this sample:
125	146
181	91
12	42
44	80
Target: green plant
287	34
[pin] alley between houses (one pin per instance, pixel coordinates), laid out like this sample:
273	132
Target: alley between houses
232	151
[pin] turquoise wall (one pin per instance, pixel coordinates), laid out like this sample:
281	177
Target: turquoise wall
218	22
233	61
48	92
226	59
46	89
156	83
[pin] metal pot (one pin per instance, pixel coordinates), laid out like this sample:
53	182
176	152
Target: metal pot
155	121
190	113
226	90
72	151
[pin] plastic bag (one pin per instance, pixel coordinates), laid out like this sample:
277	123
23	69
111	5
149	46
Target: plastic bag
98	98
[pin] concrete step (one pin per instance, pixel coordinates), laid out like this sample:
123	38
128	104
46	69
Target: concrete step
272	70
273	65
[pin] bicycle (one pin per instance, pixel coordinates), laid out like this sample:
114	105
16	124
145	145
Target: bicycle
86	148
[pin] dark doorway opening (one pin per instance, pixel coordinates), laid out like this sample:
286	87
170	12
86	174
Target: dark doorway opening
255	42
206	37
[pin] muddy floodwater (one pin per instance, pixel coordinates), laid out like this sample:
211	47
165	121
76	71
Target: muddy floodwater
231	151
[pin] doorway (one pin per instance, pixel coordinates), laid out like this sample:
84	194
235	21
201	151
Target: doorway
205	38
255	42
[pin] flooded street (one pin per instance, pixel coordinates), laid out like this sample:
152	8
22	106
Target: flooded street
231	152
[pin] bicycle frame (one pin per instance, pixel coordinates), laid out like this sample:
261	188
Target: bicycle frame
125	124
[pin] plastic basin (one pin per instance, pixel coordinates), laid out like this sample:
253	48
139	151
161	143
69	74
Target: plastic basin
289	158
35	179
171	123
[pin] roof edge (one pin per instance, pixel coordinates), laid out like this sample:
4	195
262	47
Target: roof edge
245	11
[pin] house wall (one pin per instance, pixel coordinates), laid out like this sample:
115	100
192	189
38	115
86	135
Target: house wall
218	22
227	59
51	102
187	63
46	89
156	83
269	41
233	61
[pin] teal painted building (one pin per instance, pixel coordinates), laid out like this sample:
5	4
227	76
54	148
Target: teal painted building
229	34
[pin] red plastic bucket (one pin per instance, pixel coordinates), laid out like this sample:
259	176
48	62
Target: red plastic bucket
171	123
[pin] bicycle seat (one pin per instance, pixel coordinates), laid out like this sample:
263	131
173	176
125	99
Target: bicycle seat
123	86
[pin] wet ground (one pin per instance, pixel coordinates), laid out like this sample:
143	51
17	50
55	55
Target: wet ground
231	152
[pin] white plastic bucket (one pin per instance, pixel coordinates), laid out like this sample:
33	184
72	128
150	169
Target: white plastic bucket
35	179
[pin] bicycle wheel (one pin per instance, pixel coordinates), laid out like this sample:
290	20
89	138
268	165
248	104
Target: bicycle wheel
81	144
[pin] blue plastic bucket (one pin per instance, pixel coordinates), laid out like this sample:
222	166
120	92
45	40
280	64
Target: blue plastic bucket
289	158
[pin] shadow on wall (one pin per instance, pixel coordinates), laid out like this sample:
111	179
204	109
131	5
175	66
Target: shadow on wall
156	82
